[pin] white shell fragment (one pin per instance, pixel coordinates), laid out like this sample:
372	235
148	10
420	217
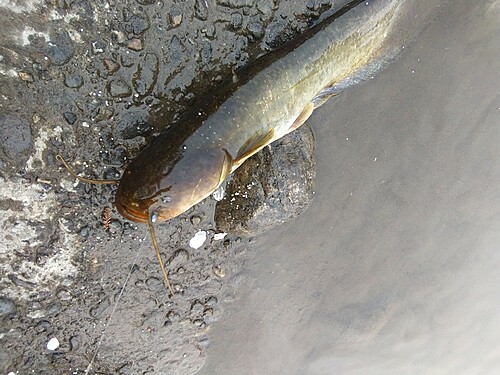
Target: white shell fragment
198	240
219	236
53	344
219	193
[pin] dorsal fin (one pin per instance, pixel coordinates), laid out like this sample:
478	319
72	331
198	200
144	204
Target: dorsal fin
252	145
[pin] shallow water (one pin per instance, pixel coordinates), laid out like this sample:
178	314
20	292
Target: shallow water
394	267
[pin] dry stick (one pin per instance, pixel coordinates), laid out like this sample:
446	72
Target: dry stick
83	179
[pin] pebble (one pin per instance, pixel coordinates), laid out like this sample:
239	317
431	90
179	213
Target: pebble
236	3
53	344
256	28
219	236
97	46
219	271
236	20
146	74
198	240
6	306
25	76
201	10
60	49
176	18
73	81
70	117
195	220
118	88
135	44
111	66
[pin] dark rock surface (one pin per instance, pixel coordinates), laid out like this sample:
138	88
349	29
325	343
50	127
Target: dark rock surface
270	188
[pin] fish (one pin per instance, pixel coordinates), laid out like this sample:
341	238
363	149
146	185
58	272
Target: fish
258	104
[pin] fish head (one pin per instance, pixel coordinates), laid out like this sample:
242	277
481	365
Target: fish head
159	188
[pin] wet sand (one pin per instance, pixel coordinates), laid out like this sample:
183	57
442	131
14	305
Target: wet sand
394	267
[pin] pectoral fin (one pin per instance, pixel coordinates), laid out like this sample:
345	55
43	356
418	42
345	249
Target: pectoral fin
253	145
304	115
227	166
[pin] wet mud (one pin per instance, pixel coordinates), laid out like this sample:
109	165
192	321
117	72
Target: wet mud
95	81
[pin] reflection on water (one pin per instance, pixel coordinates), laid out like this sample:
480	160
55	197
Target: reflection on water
394	267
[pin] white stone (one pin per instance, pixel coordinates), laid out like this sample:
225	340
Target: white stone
53	344
198	240
219	236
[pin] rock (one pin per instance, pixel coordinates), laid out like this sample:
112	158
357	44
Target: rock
201	10
146	74
139	23
25	76
236	3
60	48
7	307
236	21
97	46
15	138
135	44
118	88
70	117
256	29
270	188
111	66
73	81
176	17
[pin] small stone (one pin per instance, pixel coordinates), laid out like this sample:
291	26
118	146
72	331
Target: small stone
111	66
74	342
25	76
84	231
219	271
119	36
60	48
176	19
7	307
70	117
219	236
73	81
257	29
53	344
139	24
36	118
146	74
236	3
236	21
118	88
64	295
198	240
195	220
135	44
201	9
97	47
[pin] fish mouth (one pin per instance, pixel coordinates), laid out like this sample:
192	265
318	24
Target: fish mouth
130	214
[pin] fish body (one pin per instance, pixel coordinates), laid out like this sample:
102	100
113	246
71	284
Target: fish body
260	103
